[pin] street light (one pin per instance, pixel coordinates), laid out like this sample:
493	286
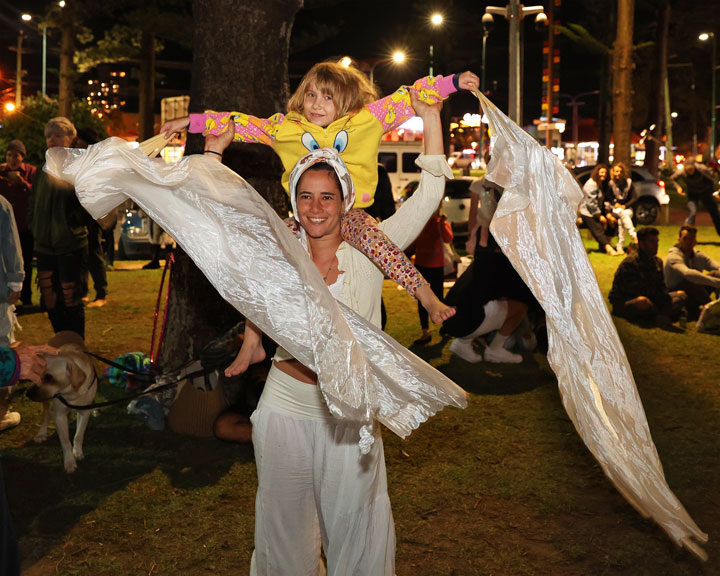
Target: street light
436	20
711	36
43	27
514	12
398	57
345	61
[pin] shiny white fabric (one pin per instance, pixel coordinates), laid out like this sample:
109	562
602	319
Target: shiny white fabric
535	226
260	268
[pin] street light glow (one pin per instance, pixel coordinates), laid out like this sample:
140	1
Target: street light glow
26	17
345	61
674	115
61	3
704	36
436	19
398	56
9	107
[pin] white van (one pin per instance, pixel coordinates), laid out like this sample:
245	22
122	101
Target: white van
399	161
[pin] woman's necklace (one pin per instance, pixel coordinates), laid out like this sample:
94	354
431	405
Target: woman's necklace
330	268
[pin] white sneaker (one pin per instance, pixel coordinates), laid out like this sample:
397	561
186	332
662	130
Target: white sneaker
463	347
500	355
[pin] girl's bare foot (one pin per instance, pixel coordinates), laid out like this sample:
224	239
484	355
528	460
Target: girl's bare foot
246	356
436	308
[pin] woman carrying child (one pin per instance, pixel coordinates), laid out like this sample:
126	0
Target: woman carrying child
337	107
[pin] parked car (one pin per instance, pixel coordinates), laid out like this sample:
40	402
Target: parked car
651	192
455	204
138	238
466	158
399	161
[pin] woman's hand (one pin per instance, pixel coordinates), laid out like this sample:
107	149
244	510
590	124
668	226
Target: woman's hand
32	364
423	109
468	81
174	126
216	144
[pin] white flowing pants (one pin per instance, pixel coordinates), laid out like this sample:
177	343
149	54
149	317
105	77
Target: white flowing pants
315	489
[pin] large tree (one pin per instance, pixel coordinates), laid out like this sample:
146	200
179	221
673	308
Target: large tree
622	81
240	59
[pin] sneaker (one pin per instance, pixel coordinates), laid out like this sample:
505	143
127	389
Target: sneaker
501	356
97	303
464	348
10	420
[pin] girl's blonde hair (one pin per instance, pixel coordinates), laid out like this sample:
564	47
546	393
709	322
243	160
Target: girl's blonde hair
349	88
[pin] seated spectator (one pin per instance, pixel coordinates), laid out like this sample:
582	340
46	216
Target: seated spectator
638	290
684	267
490	295
620	200
592	208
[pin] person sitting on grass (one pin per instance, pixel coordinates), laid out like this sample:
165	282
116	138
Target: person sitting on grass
684	267
591	209
639	292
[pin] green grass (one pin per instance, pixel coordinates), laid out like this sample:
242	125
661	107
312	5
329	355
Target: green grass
505	487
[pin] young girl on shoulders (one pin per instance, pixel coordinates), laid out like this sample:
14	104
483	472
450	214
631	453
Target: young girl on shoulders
337	107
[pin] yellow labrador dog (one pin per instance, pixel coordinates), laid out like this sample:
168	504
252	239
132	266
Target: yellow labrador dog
70	374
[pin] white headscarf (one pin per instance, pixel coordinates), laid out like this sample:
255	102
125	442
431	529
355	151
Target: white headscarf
328	156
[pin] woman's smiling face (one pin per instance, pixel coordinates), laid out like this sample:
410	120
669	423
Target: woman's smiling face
319	203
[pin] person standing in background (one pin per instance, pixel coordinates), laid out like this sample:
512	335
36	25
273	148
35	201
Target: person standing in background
16	186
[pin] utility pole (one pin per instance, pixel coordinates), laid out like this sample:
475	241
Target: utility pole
514	13
19	72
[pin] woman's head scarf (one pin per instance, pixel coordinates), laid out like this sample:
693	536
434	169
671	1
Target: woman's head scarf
328	156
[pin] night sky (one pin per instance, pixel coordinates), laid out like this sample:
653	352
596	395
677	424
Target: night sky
372	29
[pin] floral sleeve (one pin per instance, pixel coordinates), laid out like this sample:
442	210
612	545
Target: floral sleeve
249	129
394	110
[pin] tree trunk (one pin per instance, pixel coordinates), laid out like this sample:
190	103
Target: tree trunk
146	114
657	91
622	81
234	68
67	49
605	111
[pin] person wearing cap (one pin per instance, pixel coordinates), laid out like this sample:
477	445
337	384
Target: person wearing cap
57	221
316	491
697	182
16	178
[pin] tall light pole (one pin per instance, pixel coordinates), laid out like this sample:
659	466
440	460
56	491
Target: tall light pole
19	73
514	12
436	20
487	24
705	36
43	27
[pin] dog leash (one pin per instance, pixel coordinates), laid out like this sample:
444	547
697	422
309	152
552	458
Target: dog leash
161	388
